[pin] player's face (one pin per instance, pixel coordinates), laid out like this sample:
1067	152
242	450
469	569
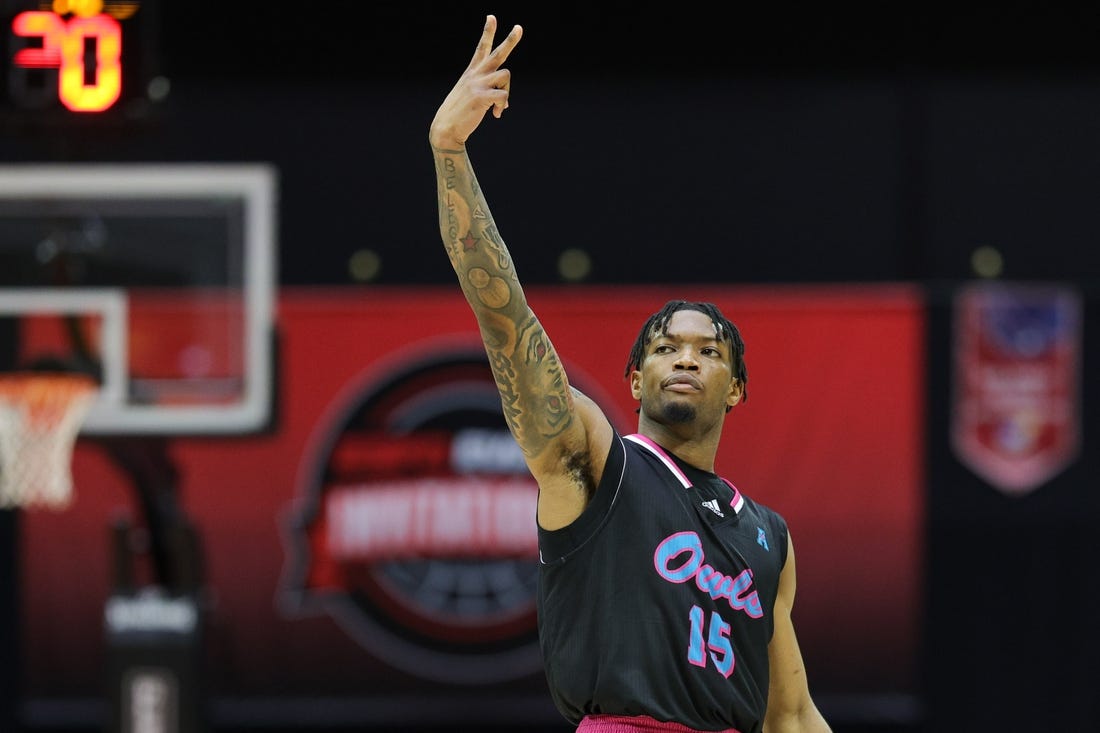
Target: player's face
686	374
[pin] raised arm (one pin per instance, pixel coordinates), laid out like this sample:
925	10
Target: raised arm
563	435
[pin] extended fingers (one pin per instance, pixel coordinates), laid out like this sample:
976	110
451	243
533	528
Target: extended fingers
485	43
500	53
485	51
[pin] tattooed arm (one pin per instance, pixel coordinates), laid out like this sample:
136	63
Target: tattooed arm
563	434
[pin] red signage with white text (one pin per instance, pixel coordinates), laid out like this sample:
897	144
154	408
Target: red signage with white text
380	539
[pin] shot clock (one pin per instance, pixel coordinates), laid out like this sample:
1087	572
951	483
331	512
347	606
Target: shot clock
78	60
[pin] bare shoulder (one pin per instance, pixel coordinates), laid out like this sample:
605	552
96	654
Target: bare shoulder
569	475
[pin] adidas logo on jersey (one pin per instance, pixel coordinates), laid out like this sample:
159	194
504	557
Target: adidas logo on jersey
713	506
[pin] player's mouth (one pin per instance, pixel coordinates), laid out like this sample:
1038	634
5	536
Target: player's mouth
682	382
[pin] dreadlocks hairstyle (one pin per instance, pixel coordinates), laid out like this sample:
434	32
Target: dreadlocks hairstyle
658	323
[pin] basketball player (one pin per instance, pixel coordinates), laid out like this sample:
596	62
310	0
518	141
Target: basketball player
665	595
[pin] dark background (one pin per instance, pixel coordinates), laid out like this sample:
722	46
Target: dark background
696	143
760	143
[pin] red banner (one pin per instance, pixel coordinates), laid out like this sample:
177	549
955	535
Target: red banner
1015	418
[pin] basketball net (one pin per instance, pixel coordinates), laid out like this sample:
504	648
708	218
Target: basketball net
40	418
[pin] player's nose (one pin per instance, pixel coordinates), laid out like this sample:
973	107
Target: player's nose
686	359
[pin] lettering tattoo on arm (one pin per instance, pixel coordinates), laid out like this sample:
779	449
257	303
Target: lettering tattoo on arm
534	390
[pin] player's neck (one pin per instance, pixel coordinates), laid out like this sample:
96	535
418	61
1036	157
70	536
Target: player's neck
689	446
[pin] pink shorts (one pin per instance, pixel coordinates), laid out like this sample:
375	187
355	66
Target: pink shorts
633	724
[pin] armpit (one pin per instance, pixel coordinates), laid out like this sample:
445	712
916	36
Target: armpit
578	467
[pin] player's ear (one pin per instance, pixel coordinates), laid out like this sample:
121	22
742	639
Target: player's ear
636	384
737	390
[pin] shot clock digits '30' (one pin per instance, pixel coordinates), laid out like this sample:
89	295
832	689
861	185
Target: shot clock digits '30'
74	55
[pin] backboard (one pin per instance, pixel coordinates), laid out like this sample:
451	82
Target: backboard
160	277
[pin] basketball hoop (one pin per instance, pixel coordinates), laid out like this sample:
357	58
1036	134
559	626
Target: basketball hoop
40	418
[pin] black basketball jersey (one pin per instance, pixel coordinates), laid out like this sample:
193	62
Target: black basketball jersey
658	599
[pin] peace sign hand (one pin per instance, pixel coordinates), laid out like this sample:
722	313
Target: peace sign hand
483	86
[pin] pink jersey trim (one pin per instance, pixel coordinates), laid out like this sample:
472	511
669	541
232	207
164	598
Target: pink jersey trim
737	502
634	724
660	453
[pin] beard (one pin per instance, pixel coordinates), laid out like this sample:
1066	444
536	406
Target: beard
677	413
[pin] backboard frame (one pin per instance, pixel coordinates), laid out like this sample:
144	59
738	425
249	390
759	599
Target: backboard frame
255	184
